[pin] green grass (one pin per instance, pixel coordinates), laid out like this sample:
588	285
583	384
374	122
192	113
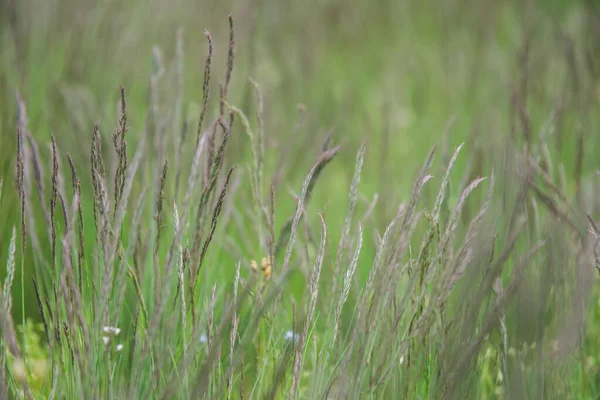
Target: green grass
415	184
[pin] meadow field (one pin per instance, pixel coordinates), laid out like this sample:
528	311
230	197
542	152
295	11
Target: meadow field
341	199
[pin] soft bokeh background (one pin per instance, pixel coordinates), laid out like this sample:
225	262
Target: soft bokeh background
390	72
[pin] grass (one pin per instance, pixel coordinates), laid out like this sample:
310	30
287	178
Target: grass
268	256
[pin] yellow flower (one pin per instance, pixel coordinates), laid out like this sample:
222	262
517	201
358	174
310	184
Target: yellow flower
266	267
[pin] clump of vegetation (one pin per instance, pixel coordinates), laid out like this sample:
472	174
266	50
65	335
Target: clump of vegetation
475	290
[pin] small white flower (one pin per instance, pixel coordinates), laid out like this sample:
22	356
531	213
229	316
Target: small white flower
401	360
203	338
111	330
106	340
119	347
291	336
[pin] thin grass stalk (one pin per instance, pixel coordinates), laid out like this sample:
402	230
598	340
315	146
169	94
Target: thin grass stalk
53	198
80	228
213	227
205	86
113	251
314	292
123	269
120	146
284	239
346	288
353	195
234	331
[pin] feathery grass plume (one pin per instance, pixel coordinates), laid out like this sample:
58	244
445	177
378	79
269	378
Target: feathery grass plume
120	145
234	328
204	200
230	56
160	196
20	169
205	86
475	224
80	228
346	288
101	207
213	227
53	197
10	271
288	231
353	195
445	181
217	164
95	149
314	292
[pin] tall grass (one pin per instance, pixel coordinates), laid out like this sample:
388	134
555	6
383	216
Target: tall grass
467	294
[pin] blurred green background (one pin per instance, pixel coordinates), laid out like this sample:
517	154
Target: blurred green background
393	73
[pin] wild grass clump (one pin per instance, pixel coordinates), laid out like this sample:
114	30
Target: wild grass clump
482	292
